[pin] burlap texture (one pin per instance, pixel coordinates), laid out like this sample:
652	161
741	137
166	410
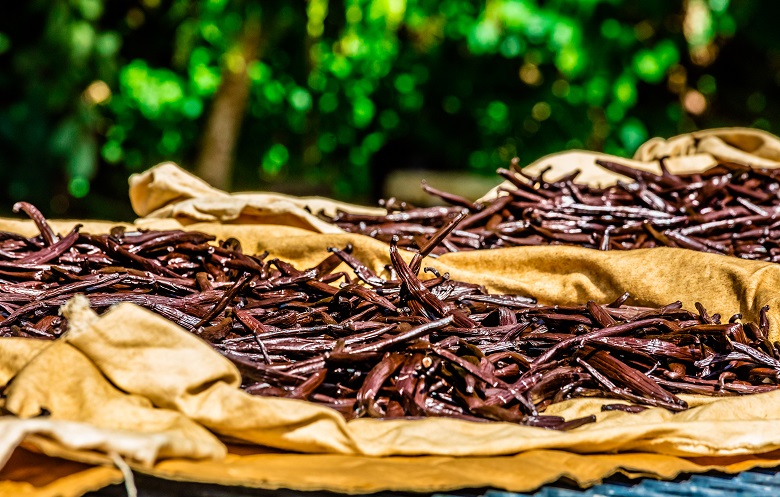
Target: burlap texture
167	191
32	474
135	375
752	147
165	371
685	154
135	371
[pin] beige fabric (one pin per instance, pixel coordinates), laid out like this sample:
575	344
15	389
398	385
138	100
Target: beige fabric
176	370
247	466
88	412
143	448
520	473
29	473
752	147
686	154
168	191
45	471
170	382
153	392
164	184
147	406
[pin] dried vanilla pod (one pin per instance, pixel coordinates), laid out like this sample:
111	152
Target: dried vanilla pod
370	346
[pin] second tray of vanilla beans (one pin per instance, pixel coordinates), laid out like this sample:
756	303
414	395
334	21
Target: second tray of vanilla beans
387	346
729	209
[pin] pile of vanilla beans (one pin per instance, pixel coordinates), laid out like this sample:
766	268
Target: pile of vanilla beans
729	209
386	347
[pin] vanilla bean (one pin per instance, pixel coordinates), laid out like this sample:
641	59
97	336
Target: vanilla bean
691	211
406	347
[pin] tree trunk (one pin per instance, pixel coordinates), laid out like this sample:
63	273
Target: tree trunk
215	160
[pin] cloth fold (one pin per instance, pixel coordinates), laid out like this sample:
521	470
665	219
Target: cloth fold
752	147
130	382
131	370
168	191
132	414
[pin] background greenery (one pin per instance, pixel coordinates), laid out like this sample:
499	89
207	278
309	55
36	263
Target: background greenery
337	93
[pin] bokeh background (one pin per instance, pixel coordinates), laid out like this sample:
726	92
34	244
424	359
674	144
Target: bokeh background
329	98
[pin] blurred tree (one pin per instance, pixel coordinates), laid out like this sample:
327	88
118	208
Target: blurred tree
215	161
286	95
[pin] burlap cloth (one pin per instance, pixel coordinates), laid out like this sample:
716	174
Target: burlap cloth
131	385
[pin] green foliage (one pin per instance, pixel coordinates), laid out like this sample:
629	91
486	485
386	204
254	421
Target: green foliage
93	90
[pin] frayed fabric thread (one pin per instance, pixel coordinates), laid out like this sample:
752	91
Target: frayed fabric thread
127	474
